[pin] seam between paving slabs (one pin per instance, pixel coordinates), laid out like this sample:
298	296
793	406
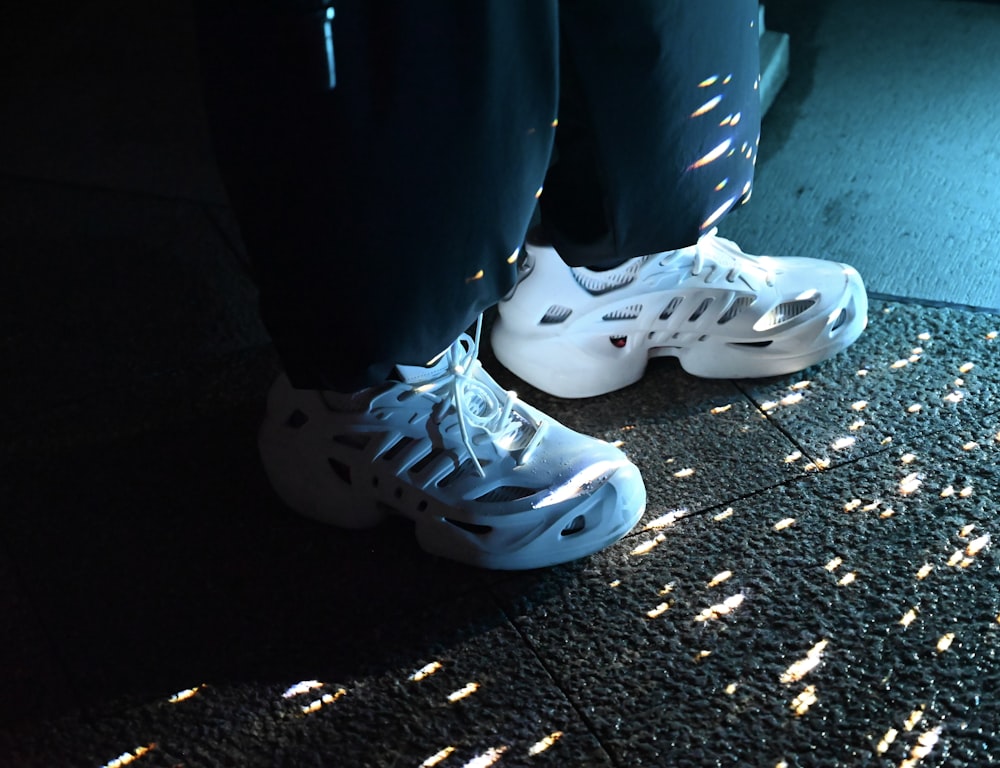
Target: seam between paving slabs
556	682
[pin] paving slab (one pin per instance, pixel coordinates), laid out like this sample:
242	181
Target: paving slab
462	688
845	618
880	151
916	370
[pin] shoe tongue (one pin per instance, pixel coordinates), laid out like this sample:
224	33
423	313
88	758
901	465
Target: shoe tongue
416	375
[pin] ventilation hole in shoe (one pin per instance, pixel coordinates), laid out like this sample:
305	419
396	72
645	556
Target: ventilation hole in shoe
619	341
480	530
296	419
783	313
422	505
506	493
735	308
705	304
576	526
671	307
374	482
598	283
340	469
758	344
358	441
398	493
839	321
626	313
419	465
452	476
394	450
555	315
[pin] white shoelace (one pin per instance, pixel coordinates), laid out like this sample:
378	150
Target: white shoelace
722	253
476	405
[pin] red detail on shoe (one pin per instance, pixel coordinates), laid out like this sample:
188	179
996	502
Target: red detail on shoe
619	341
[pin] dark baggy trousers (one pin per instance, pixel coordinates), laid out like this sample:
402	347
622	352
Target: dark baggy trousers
385	157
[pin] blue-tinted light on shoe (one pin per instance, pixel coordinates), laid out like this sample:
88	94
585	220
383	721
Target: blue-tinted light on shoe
585	481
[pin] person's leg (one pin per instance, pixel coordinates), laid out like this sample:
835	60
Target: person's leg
399	193
384	160
659	118
657	140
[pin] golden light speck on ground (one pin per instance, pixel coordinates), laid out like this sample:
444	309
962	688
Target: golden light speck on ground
659	610
801	703
489	757
185	694
543	744
127	758
302	687
463	692
805	665
914	718
924	746
437	758
886	741
910	484
665	521
648	546
724	608
944	643
719	578
426	671
329	698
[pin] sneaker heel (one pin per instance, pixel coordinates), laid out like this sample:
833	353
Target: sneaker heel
309	483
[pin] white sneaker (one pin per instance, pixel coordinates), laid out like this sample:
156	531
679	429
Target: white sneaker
576	332
487	479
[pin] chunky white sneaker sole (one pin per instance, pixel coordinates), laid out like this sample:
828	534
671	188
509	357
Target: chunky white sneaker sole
573	332
545	495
